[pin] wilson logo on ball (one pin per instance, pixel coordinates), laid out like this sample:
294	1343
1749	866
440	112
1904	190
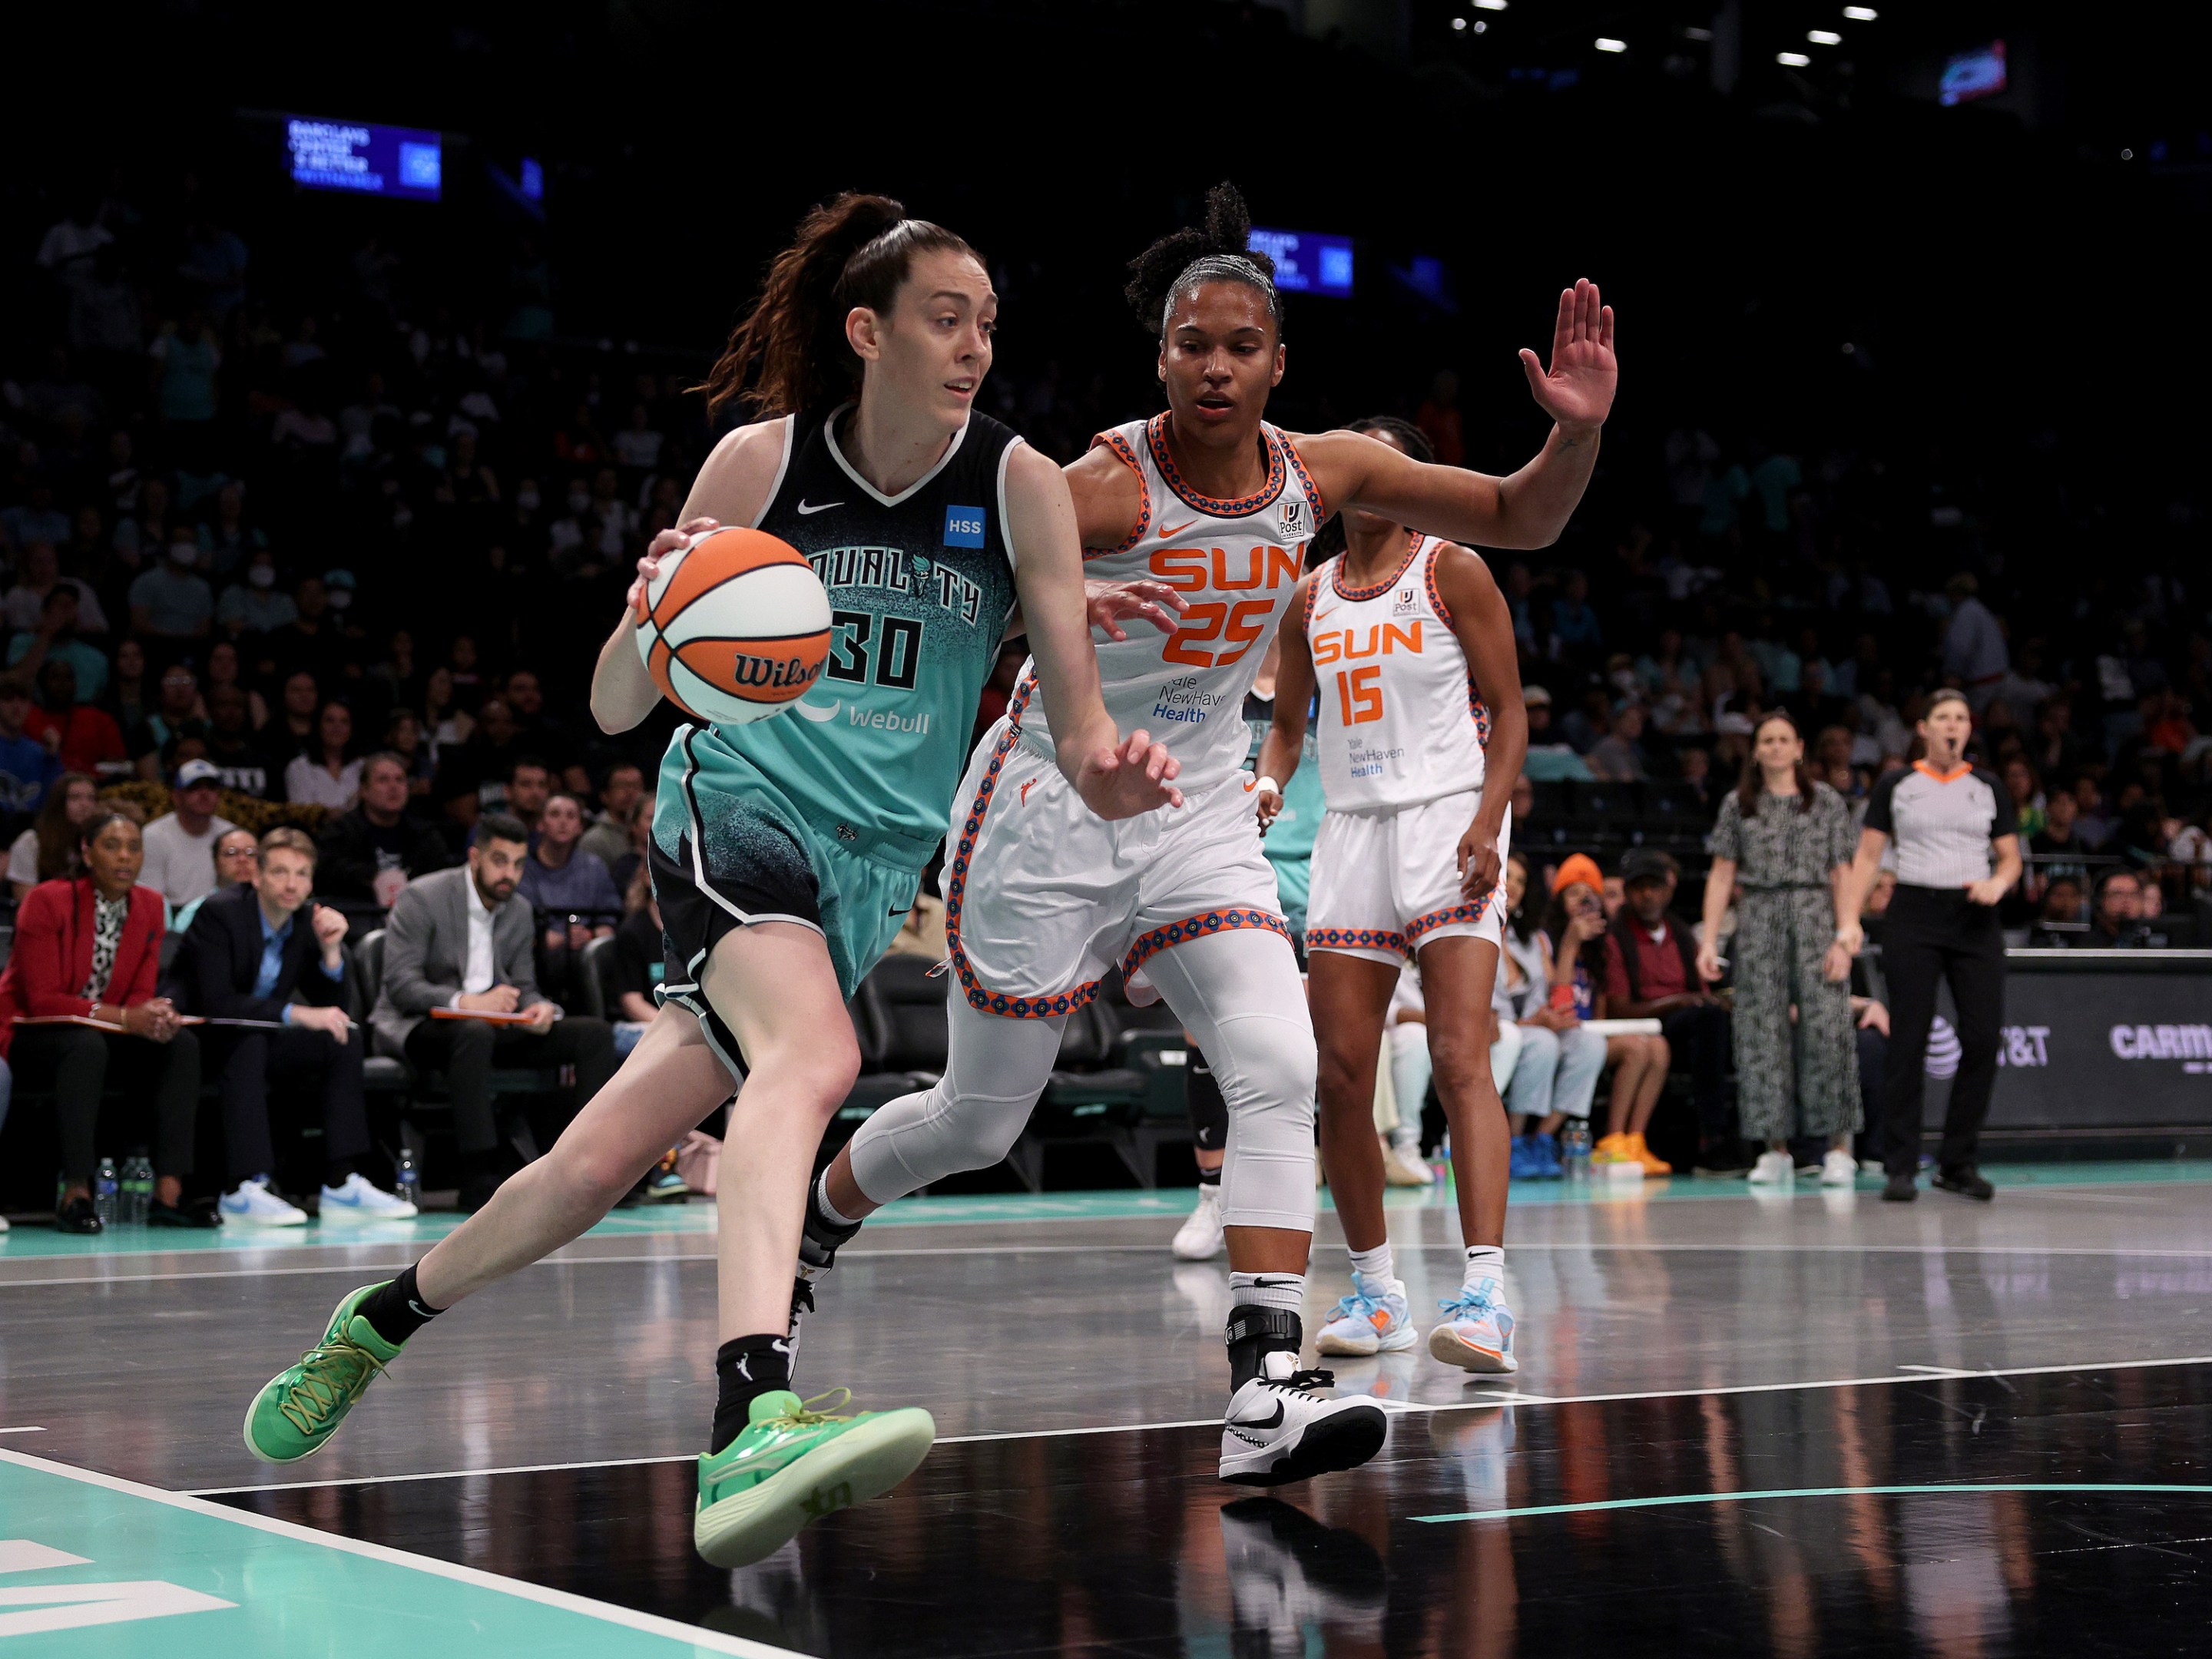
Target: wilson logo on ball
735	628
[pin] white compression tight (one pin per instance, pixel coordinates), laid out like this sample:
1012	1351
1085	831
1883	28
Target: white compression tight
1238	994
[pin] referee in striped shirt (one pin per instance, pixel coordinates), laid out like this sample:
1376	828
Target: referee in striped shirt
1957	853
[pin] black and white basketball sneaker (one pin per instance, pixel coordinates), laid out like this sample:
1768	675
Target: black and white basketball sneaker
1281	1426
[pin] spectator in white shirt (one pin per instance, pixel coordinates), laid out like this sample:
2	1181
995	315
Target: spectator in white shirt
180	845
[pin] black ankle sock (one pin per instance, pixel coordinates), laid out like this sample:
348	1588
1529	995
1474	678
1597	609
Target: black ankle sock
747	1367
1255	1333
339	1172
396	1310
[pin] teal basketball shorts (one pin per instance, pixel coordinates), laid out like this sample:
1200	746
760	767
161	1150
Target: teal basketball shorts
748	856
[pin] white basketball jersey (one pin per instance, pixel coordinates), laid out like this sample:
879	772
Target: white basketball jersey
1400	720
1235	563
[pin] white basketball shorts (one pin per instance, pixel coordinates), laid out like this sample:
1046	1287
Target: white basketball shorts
1386	883
1042	896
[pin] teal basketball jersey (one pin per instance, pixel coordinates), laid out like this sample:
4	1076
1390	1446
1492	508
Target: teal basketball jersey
921	585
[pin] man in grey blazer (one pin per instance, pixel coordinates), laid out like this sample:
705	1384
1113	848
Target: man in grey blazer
461	940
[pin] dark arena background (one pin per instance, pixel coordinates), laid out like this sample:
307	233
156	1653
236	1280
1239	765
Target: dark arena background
348	365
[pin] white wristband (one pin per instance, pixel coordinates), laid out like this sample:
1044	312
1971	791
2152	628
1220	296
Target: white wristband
1269	786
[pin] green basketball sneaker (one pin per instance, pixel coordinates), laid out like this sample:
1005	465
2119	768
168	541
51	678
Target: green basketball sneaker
792	1465
302	1406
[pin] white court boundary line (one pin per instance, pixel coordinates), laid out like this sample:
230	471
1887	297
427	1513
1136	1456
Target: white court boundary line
1495	1397
695	1636
2143	1252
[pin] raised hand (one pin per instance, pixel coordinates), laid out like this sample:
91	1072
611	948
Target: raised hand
1577	390
1129	780
1109	603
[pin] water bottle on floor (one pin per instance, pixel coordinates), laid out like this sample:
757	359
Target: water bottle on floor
137	1189
1575	1148
104	1190
406	1179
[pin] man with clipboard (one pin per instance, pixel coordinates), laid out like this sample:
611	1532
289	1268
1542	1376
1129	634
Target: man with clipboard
460	993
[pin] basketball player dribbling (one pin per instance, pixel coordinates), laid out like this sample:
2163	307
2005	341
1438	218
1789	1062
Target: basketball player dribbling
1043	898
1422	731
786	853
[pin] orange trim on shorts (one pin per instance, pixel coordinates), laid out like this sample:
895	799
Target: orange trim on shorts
1445	918
1354	938
981	996
1201	926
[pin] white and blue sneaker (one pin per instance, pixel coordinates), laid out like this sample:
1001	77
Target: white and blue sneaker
358	1198
1477	1332
1374	1319
251	1203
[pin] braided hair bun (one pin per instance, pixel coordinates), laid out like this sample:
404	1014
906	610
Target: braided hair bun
1180	262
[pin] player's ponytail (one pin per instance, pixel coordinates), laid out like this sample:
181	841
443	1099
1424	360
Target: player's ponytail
1216	251
790	352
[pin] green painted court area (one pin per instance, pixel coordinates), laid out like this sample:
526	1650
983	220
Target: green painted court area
92	1567
698	1216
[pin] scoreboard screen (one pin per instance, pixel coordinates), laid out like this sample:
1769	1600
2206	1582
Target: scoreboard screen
1306	262
405	163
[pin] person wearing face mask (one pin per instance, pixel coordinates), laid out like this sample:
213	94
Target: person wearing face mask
172	600
254	606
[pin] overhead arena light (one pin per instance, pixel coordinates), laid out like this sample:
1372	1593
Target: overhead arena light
1606	43
1860	13
1794	59
1824	37
1490	5
1459	25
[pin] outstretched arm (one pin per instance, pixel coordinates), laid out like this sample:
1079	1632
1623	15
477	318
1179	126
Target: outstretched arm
1286	742
1116	779
1528	509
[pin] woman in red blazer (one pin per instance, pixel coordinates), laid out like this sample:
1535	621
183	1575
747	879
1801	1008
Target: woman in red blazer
90	946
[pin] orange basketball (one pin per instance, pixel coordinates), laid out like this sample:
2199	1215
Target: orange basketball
735	627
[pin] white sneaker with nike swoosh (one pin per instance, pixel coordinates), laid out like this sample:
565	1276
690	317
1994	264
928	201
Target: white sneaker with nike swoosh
1280	1427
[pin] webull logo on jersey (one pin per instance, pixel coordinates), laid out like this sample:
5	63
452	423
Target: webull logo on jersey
1382	640
893	569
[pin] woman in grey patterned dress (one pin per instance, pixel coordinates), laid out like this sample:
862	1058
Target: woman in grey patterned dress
1788	841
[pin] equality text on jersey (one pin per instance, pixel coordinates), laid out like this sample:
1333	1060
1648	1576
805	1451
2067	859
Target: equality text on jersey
896	570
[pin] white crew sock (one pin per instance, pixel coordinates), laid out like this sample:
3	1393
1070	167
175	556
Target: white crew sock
827	1210
1375	1264
1484	1261
1285	1291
